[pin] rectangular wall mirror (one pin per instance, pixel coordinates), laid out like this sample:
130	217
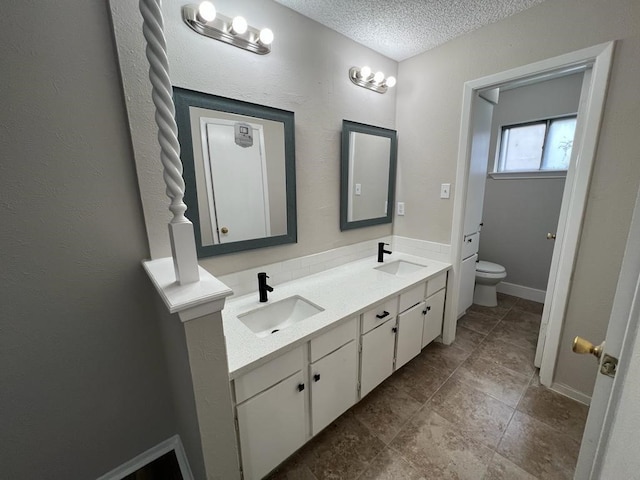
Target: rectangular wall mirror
368	175
239	171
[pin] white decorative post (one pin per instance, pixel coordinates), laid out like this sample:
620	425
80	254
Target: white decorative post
183	246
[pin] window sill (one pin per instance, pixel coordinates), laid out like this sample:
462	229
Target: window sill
526	175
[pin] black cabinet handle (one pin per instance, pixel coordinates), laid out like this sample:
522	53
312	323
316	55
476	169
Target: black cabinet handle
300	387
383	314
394	329
316	377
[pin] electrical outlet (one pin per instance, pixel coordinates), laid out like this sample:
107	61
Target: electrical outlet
445	190
400	208
358	189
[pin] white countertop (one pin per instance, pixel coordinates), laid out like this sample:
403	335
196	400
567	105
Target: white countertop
343	292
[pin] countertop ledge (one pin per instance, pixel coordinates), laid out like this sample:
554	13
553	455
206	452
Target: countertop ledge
344	292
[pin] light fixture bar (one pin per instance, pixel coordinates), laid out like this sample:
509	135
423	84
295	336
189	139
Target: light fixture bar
366	80
220	29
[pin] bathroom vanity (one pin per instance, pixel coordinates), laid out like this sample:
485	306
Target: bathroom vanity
321	344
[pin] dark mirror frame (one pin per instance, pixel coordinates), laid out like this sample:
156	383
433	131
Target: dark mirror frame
184	99
347	128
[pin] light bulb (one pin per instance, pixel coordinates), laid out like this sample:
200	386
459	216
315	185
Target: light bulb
378	77
266	36
238	25
206	12
365	73
391	82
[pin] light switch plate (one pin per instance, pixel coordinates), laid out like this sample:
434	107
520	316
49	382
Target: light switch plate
358	188
400	208
445	190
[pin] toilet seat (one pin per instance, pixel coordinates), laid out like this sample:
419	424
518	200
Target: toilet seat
489	267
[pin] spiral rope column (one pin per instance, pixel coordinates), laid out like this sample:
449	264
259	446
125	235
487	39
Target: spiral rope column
180	228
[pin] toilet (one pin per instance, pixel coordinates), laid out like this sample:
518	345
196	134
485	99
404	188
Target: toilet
488	276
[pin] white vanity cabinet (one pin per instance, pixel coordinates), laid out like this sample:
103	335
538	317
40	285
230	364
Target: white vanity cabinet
433	315
378	345
333	377
410	327
276	412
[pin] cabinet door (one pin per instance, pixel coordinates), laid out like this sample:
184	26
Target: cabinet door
334	381
377	356
434	308
272	426
467	283
410	325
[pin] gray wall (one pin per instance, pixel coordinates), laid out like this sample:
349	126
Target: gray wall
82	374
518	213
428	145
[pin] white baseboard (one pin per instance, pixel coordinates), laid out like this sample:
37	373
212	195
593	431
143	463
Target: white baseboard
522	292
571	393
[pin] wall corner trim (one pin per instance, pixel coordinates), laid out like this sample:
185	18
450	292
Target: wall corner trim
189	301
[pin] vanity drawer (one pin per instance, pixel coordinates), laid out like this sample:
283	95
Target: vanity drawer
437	283
380	314
411	297
268	374
333	339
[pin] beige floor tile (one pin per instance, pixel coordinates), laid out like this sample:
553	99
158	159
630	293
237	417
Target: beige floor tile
435	448
560	412
443	357
385	410
505	354
515	334
529	306
538	448
505	302
389	465
473	413
502	469
467	340
478	322
495	380
420	379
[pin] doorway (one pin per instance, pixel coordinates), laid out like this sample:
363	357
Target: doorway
598	58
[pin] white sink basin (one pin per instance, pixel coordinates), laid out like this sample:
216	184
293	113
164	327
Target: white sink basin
277	316
400	267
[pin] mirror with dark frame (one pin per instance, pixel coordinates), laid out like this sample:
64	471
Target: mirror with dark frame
368	175
239	172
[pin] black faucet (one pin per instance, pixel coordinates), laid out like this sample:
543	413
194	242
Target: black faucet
382	251
263	288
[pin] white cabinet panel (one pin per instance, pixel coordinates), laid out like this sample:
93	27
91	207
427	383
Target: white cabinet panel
380	314
437	283
411	297
467	283
377	356
410	324
333	339
272	426
434	308
333	381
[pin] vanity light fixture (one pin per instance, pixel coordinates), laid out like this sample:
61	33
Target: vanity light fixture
205	20
364	77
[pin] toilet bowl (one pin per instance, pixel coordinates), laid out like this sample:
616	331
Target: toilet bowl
488	275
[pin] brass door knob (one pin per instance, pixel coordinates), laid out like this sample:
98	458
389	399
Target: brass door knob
580	345
551	236
224	230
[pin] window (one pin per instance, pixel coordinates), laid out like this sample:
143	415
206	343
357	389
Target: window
541	146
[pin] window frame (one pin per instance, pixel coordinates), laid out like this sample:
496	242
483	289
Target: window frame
539	173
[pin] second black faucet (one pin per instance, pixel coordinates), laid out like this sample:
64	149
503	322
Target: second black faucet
382	251
263	288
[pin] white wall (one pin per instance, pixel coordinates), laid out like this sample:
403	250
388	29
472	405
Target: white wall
518	213
83	379
428	122
306	72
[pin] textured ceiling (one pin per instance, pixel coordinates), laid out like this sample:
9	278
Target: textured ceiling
400	29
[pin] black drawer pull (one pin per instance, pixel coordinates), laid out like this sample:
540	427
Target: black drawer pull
300	387
316	377
383	314
394	329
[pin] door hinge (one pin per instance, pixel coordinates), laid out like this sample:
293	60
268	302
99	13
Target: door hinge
609	365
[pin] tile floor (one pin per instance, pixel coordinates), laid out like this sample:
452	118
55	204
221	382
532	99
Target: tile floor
473	410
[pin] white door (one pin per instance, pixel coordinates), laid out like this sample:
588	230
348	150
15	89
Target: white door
467	283
609	445
410	324
239	184
334	382
272	426
482	115
434	312
377	356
